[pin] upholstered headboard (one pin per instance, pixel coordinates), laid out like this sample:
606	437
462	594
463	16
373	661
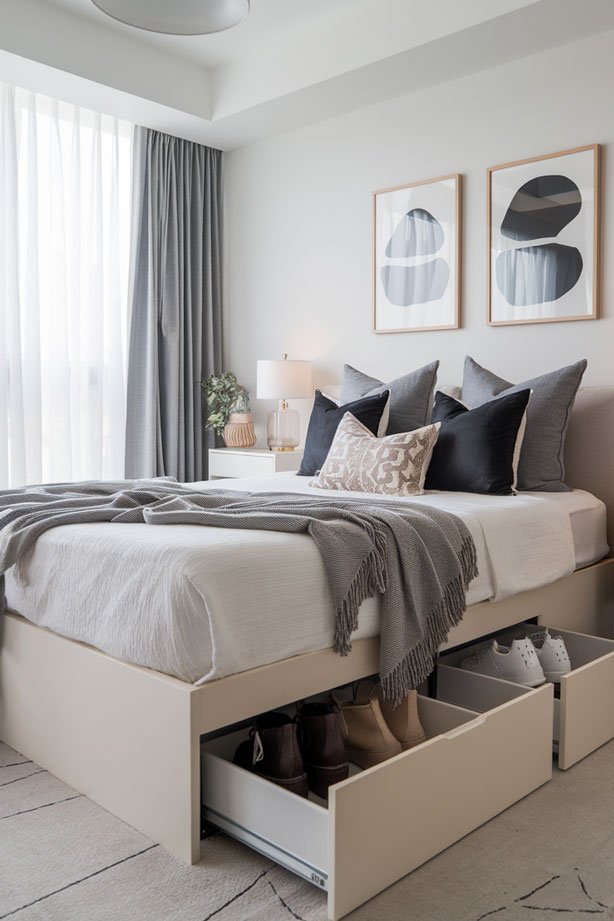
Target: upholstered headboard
589	447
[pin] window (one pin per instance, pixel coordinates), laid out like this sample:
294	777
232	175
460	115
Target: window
64	250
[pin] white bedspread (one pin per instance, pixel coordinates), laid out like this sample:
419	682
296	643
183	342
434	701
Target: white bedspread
200	603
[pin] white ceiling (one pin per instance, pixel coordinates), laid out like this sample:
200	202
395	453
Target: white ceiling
269	21
288	64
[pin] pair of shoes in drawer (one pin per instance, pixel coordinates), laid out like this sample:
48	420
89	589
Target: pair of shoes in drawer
298	755
373	730
531	660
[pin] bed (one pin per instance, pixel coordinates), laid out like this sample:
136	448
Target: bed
128	735
174	599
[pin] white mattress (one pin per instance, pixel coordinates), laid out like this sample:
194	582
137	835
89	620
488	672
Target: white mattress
588	525
201	603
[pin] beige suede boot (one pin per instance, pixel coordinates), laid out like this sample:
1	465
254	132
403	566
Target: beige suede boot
366	736
403	721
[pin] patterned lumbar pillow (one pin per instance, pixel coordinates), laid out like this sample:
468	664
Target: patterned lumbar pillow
395	465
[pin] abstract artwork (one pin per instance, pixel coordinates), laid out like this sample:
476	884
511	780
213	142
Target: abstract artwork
416	257
543	238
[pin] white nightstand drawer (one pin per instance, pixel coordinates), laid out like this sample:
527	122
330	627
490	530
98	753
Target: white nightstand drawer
238	462
227	463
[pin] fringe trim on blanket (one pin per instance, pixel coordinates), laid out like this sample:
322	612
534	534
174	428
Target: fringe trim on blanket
371	579
417	665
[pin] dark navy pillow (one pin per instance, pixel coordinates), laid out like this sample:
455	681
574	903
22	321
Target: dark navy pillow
326	416
476	450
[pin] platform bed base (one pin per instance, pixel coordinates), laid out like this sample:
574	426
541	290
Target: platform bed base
129	738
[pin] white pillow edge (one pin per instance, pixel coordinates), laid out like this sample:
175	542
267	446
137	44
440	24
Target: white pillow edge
518	447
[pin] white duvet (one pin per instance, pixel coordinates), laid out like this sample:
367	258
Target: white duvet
201	603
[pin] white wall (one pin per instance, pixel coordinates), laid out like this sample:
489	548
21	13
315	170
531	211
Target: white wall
299	222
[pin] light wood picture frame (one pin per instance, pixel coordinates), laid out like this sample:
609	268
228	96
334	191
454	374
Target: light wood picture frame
417	242
544	238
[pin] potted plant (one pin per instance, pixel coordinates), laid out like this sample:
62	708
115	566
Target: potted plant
228	410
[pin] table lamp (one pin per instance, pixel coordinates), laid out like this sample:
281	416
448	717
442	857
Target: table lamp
283	380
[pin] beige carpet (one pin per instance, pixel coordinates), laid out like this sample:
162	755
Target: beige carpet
64	859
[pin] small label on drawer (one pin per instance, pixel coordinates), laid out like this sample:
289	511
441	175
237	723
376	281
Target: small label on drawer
318	880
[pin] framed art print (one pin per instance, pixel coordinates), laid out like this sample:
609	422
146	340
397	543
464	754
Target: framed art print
416	256
544	238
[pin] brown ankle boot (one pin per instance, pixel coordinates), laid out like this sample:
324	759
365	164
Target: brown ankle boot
272	751
366	735
322	746
404	721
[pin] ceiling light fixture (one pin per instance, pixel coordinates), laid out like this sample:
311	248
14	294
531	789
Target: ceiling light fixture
181	17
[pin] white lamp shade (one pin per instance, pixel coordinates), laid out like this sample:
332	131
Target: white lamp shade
283	380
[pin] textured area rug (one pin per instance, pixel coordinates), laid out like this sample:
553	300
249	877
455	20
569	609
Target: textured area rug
62	858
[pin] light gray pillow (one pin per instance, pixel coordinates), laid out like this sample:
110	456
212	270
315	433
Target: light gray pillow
552	397
411	396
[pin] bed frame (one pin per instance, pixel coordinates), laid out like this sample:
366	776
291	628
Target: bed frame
129	737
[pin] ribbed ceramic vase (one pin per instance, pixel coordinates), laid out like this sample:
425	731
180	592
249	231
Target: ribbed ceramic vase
239	431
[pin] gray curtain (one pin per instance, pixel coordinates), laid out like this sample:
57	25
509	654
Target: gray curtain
175	337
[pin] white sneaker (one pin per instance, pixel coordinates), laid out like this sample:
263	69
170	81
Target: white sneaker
518	663
552	654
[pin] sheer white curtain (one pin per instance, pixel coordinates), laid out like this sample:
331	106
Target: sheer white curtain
64	252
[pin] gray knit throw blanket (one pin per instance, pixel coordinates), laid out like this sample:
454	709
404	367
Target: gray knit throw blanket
418	560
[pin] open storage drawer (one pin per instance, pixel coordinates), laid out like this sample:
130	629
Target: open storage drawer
397	814
583	717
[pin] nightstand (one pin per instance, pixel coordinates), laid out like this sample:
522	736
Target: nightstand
241	462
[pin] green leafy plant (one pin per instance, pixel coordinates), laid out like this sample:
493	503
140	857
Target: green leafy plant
220	392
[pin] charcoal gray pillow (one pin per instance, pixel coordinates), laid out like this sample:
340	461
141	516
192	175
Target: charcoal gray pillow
552	397
411	396
477	448
324	420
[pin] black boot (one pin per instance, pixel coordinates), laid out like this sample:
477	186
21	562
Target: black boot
322	746
273	752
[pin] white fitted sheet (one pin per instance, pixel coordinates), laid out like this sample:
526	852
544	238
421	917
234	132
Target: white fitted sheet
588	519
201	603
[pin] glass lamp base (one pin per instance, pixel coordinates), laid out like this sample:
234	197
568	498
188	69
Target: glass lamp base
283	430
